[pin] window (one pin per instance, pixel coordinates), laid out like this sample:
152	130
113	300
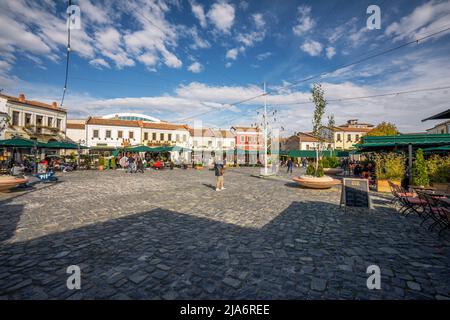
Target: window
108	134
219	144
28	119
154	136
58	123
131	134
338	137
95	133
349	137
195	143
242	138
357	137
49	121
15	118
209	143
307	147
177	138
161	136
145	135
232	144
120	134
184	137
39	120
169	136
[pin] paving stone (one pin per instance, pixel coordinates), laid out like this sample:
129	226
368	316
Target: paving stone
318	284
413	285
138	277
232	282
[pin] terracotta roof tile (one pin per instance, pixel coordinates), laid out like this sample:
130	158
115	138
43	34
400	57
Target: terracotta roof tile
75	126
33	103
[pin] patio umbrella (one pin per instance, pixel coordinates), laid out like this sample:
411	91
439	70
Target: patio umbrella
63	145
21	143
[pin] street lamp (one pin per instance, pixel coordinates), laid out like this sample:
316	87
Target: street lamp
80	141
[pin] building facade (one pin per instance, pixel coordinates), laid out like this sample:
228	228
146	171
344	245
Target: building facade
440	128
33	119
301	141
345	136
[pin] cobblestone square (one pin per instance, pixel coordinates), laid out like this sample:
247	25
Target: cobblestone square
169	235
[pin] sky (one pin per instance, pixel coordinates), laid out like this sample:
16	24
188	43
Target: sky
180	60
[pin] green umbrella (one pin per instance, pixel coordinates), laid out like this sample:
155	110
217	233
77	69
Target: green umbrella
63	145
21	143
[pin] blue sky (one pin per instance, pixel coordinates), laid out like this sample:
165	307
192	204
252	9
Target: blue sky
178	59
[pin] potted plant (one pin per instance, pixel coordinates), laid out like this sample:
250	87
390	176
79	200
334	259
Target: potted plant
420	172
331	165
199	166
439	172
101	163
389	166
315	177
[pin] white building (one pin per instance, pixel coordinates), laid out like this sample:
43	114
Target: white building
440	128
112	133
301	141
33	119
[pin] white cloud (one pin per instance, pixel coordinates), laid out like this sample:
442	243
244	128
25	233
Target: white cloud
263	56
428	17
228	65
199	13
313	48
221	15
330	52
258	19
304	21
99	63
195	67
232	54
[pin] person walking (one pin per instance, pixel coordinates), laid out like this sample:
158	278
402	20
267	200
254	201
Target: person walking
290	164
131	164
219	171
139	164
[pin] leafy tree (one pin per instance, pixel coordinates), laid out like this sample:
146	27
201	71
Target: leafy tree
420	173
319	110
384	129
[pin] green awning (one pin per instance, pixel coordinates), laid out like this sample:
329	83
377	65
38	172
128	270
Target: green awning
21	143
401	141
438	149
312	153
63	145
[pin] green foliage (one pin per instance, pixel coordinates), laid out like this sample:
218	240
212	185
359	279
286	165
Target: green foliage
390	166
310	170
319	172
439	169
320	104
384	129
330	162
420	173
101	161
113	163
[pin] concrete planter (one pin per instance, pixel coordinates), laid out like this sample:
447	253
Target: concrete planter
383	185
445	187
333	171
311	182
9	182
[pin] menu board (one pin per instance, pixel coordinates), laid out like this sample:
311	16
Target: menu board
355	193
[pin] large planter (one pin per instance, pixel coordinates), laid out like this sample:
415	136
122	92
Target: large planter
333	171
9	182
101	168
311	182
445	187
199	168
383	185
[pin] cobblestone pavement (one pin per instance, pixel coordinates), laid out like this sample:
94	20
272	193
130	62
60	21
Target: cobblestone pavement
169	235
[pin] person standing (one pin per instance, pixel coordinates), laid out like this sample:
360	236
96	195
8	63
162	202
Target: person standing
290	164
219	171
131	164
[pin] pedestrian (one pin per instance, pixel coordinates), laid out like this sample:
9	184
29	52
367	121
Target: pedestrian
139	164
131	164
219	171
290	164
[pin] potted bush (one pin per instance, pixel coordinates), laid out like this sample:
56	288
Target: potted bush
439	172
101	163
331	165
420	172
315	177
389	166
199	166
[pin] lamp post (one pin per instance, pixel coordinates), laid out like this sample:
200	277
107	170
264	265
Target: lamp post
79	150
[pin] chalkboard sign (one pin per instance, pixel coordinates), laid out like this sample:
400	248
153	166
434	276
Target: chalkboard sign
355	193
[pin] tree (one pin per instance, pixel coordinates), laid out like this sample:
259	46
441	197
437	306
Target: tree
319	110
420	173
331	124
384	129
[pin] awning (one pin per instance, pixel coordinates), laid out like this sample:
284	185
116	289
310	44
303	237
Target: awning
63	145
442	115
21	143
437	149
313	153
372	143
